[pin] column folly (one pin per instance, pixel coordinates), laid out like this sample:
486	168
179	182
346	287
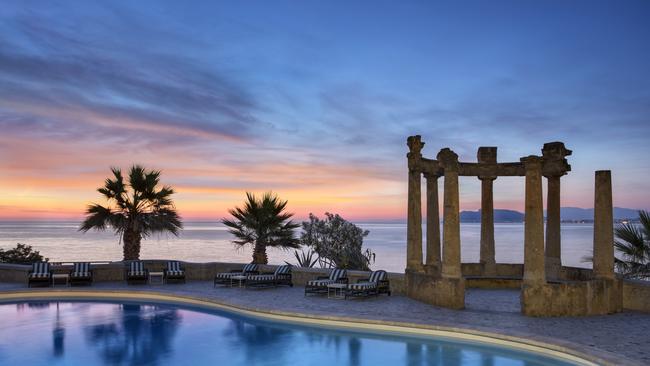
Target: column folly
414	209
451	220
534	271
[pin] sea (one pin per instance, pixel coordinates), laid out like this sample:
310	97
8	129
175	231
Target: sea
211	242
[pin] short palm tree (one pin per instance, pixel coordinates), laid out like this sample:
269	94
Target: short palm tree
633	244
262	223
135	209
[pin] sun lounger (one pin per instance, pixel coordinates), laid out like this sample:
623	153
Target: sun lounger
374	285
81	274
224	278
281	276
319	285
174	272
40	274
136	273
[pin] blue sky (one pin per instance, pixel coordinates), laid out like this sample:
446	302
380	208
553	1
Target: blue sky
314	100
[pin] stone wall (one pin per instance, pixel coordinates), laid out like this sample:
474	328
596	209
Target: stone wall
595	297
445	292
636	295
502	270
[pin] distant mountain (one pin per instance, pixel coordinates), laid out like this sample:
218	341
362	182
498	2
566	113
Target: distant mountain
499	216
576	213
566	214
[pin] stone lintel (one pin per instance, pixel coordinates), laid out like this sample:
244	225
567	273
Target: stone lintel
491	170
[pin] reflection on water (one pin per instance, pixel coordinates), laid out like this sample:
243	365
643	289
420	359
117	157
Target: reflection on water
141	335
135	334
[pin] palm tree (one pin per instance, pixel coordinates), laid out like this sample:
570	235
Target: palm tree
262	223
633	243
134	213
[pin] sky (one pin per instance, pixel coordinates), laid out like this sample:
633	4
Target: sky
314	100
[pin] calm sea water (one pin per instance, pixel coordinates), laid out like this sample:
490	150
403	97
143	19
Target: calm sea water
209	242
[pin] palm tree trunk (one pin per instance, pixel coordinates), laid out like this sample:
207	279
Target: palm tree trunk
259	254
131	242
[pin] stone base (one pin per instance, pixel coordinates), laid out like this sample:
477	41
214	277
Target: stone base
595	297
435	290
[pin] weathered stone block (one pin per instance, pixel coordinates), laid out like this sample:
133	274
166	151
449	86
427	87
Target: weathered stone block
445	292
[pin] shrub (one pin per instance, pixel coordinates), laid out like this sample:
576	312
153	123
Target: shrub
21	254
337	242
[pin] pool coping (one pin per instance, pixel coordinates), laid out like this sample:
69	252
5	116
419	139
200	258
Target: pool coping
525	342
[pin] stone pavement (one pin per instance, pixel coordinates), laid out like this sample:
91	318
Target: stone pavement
614	337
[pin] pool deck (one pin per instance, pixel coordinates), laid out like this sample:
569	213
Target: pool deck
620	339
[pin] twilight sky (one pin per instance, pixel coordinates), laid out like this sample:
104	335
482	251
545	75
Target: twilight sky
314	99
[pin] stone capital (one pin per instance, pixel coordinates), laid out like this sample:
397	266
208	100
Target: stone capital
415	145
448	159
532	162
431	176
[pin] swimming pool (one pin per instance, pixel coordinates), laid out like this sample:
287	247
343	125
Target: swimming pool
135	333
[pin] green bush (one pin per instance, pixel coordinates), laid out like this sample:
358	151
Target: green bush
21	254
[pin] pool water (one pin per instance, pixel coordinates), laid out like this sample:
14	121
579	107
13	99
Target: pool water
92	333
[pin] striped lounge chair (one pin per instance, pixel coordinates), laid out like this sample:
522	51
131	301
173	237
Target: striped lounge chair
136	273
224	277
281	276
174	272
40	274
319	285
374	285
81	274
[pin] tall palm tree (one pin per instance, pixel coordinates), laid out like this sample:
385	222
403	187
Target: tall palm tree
262	223
633	243
135	210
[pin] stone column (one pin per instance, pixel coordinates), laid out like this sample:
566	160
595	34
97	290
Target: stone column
534	271
487	227
451	220
553	238
433	223
603	226
414	210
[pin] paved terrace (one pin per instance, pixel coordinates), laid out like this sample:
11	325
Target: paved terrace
623	338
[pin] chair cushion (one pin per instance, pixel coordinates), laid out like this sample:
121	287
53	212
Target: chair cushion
284	269
362	286
320	283
137	273
377	276
268	277
39	275
250	267
41	268
175	273
81	267
337	274
136	266
174	266
227	274
80	274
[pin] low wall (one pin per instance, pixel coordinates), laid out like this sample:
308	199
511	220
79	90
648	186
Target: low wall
115	271
595	297
636	295
502	270
445	292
